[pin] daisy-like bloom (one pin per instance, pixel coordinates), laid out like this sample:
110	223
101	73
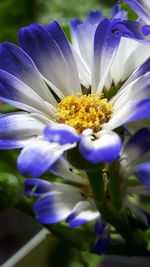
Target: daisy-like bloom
46	78
72	203
63	202
141	7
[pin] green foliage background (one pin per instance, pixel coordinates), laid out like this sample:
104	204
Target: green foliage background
15	14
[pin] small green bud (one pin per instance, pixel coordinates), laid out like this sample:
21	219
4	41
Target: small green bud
9	190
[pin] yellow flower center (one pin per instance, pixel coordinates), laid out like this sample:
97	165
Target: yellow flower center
84	111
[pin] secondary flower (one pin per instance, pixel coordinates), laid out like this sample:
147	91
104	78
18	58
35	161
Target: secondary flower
63	202
45	80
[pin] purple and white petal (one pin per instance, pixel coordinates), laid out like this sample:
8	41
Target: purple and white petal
140	111
106	42
106	148
141	70
131	102
18	129
47	55
138	145
127	52
36	158
74	25
132	29
17	93
82	40
117	13
58	35
63	168
143	174
142	8
61	133
57	205
94	17
15	61
37	187
84	71
137	89
82	213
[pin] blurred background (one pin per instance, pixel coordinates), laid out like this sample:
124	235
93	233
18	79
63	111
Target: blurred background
15	14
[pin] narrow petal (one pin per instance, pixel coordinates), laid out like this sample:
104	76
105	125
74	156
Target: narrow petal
82	35
132	29
56	206
106	42
58	35
18	129
94	17
99	226
137	89
140	111
131	103
74	25
17	93
116	12
142	69
127	52
61	133
15	61
36	158
47	55
82	213
37	187
143	174
102	245
138	144
142	8
106	148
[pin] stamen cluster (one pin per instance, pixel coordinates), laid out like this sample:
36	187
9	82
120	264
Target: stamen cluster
84	111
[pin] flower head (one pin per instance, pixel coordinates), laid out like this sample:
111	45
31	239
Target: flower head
65	90
63	202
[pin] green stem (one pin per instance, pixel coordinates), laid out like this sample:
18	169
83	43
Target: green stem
25	204
114	187
61	230
147	234
83	238
119	221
